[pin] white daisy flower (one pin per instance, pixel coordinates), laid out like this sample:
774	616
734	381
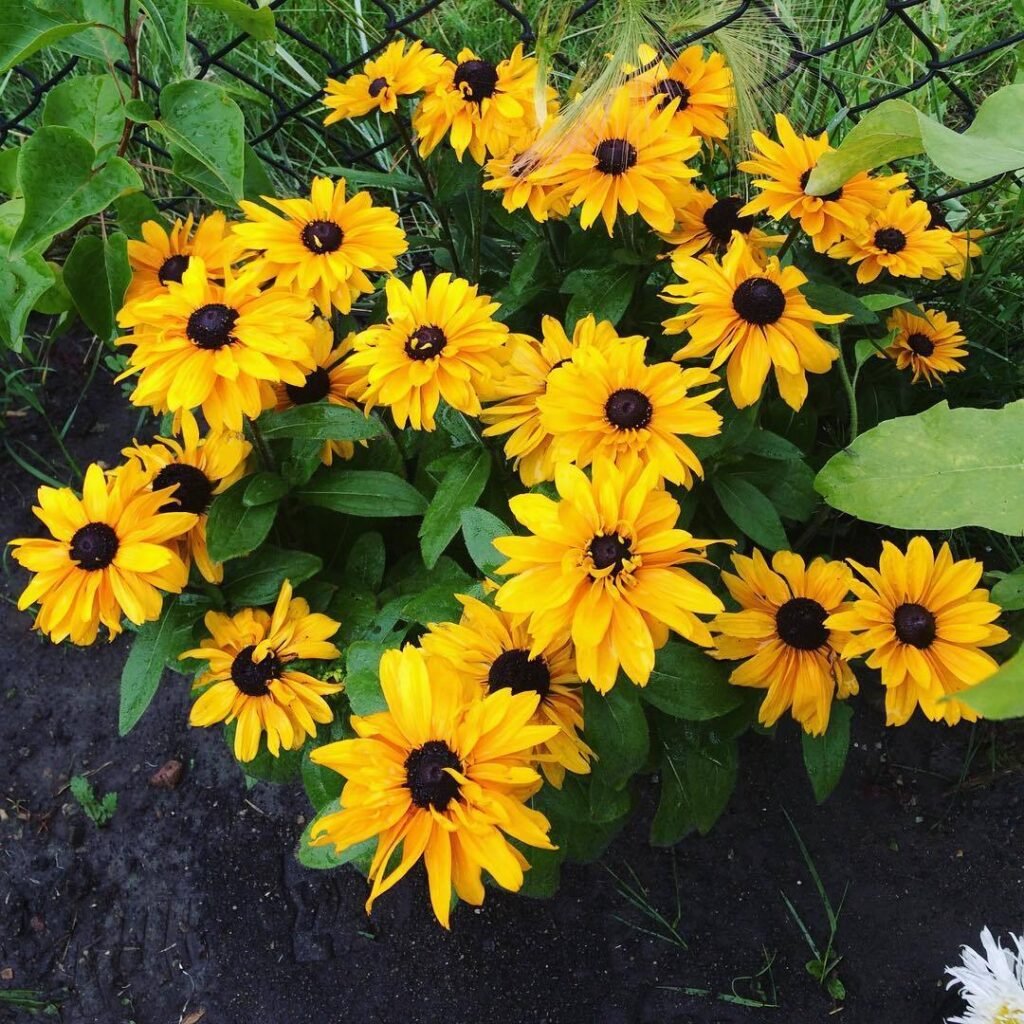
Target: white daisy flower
992	984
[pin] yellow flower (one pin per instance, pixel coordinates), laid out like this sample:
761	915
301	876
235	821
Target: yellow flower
786	165
611	403
923	619
197	469
755	317
963	244
622	158
163	256
511	174
111	554
219	347
705	224
929	345
323	246
780	632
396	72
530	364
440	342
249	679
442	776
482	107
896	238
603	567
487	650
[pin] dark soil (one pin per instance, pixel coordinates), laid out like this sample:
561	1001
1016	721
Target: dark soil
190	905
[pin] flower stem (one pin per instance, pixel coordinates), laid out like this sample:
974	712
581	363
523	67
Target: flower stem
260	443
844	376
789	240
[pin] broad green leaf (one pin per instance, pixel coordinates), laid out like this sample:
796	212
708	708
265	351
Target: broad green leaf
56	176
362	679
323	858
479	528
435	604
23	282
264	766
605	292
92	105
791	490
256	580
1002	694
258	23
1008	593
262	488
541	881
686	683
366	559
320	421
233	529
133	210
97	274
102	40
825	755
169	18
827	298
9	172
940	470
771	446
322	785
363	492
462	485
616	729
24	30
879	301
751	511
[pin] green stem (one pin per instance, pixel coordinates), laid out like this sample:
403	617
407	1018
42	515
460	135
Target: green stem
260	443
789	240
478	230
844	376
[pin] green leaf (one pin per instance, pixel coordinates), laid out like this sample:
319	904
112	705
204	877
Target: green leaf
102	40
233	529
686	683
751	511
169	18
1001	695
92	105
605	292
133	210
771	446
264	766
940	470
356	177
362	679
462	485
479	528
1008	593
97	274
363	492
616	729
155	644
320	421
256	580
9	172
880	301
323	858
365	563
322	785
23	282
263	488
791	490
825	755
258	23
56	176
25	30
826	298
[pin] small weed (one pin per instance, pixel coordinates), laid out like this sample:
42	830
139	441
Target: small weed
99	810
637	895
26	999
753	991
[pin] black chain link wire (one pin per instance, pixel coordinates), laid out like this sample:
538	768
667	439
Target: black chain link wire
306	111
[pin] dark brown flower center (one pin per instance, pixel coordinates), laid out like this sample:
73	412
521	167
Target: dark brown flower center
94	546
480	78
628	409
515	670
800	623
377	86
724	218
890	240
669	89
322	236
914	625
920	344
194	488
317	385
425	342
173	269
210	326
253	677
759	301
615	156
832	197
609	550
426	778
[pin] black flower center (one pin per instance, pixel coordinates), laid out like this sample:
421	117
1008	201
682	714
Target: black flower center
516	671
609	550
615	156
891	240
317	385
377	86
628	409
94	546
480	77
800	623
759	301
920	344
322	236
938	216
914	625
210	326
425	775
195	488
832	197
425	342
173	269
669	89
253	677
724	218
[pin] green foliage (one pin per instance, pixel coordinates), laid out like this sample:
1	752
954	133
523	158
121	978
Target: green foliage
688	684
368	493
319	421
461	486
825	755
1001	695
235	528
479	530
99	810
96	276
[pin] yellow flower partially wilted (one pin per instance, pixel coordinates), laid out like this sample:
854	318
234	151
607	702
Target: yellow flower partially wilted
603	567
324	246
219	347
922	620
438	342
784	168
396	72
111	554
930	345
609	402
530	365
705	223
780	634
438	776
511	175
249	679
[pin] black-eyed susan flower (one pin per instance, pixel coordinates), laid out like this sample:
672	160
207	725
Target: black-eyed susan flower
780	634
510	175
753	316
784	168
441	777
162	256
397	72
609	402
705	223
219	347
930	345
110	555
529	366
196	468
603	567
487	650
324	246
621	158
922	620
896	238
249	679
438	342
